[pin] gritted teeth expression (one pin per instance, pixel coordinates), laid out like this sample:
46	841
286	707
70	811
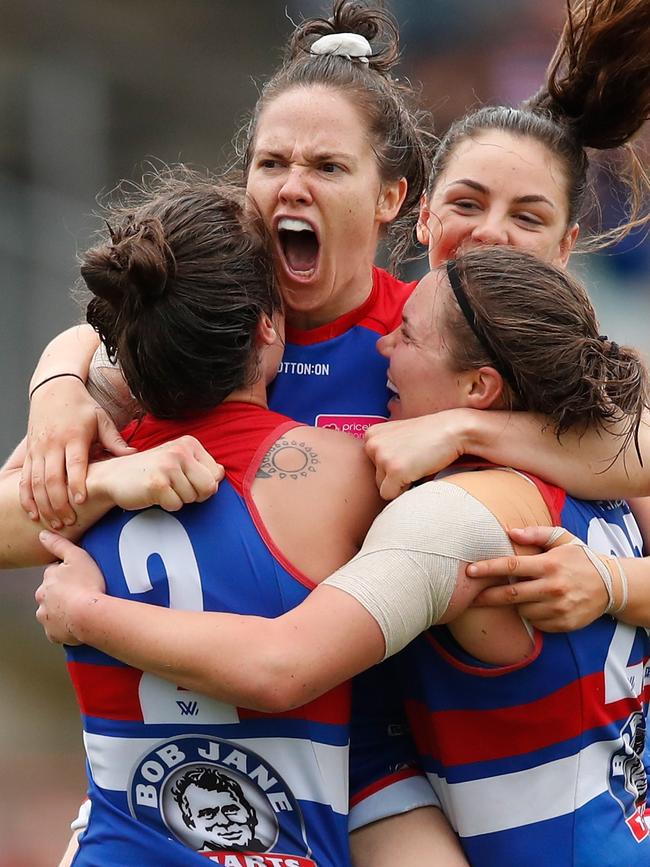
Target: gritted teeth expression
314	177
498	189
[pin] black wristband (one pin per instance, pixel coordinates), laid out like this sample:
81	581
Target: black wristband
50	378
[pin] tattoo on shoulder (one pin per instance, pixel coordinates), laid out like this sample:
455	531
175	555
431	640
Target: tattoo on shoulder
288	459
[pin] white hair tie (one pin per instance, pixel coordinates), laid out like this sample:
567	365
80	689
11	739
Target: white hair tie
350	45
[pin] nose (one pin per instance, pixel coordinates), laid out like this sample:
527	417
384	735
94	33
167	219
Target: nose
295	189
386	343
491	230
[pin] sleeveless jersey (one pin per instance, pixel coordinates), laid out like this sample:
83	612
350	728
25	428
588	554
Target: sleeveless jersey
174	775
542	762
334	377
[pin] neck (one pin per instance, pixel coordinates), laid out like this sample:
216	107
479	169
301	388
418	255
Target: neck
254	393
345	301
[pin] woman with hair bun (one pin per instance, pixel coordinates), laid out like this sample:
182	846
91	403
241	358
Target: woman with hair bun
334	155
533	743
185	298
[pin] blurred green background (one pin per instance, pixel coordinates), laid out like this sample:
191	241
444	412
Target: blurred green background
89	89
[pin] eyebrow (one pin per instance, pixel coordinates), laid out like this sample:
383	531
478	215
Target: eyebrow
520	200
314	158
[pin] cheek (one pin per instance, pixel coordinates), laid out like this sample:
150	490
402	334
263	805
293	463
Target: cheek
261	193
446	236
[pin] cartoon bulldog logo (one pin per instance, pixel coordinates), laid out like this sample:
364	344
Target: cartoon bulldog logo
628	782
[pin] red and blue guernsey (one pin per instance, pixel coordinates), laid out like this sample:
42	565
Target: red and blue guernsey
176	778
333	376
543	763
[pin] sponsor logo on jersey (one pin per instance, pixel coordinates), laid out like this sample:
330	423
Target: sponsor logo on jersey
628	782
304	368
355	425
225	802
249	860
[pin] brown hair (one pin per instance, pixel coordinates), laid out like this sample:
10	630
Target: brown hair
400	133
535	322
180	280
597	95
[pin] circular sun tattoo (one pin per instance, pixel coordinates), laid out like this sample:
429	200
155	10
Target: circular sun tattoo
288	459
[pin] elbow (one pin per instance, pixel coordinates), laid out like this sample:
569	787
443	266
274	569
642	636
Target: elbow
275	696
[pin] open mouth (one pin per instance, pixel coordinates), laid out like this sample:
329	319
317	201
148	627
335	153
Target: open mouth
299	245
392	387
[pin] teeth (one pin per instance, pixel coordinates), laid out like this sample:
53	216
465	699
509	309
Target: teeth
289	224
391	387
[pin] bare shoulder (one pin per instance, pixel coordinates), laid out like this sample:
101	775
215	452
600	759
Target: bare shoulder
306	452
511	497
315	488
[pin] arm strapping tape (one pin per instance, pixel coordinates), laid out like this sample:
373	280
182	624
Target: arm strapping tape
406	571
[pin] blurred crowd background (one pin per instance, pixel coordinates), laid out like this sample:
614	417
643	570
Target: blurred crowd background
90	90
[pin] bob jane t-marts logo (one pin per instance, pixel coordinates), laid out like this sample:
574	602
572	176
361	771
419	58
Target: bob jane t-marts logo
221	800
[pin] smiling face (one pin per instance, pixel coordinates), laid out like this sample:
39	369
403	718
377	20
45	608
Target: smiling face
498	188
314	177
420	372
220	817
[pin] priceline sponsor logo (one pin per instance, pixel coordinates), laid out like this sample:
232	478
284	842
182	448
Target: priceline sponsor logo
304	368
354	425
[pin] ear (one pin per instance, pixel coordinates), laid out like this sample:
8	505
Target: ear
485	389
422	228
391	198
266	334
567	244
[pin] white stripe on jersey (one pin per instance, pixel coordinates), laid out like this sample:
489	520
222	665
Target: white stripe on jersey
392	800
314	772
524	797
161	702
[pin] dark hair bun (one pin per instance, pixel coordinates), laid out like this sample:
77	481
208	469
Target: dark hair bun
352	16
136	263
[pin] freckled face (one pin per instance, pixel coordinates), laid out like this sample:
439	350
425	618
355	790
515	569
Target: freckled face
314	177
498	188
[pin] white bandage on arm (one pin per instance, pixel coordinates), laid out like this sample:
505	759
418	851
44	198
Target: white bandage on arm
406	571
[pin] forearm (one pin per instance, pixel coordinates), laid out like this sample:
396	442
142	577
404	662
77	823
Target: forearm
15	460
585	464
229	657
637	610
265	664
69	352
19	542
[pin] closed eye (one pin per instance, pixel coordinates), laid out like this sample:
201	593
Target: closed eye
530	219
466	205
